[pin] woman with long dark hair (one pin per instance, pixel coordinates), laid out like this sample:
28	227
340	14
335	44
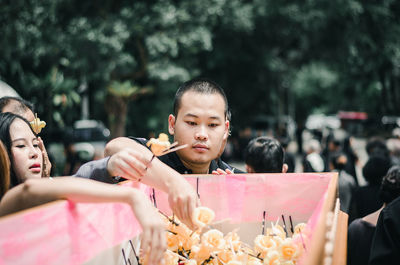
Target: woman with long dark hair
27	188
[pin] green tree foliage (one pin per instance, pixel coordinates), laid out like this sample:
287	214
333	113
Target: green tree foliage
273	57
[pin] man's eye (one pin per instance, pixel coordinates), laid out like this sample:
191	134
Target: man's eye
36	145
20	146
213	125
191	123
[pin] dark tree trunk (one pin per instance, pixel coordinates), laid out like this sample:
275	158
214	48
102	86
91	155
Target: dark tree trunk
117	109
395	94
384	100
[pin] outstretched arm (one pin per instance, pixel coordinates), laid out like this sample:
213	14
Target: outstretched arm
131	160
38	191
119	143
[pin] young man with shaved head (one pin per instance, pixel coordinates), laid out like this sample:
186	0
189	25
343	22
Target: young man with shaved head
199	120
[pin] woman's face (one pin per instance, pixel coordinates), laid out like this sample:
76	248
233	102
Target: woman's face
26	155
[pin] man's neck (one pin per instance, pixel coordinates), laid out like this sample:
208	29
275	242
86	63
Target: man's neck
197	168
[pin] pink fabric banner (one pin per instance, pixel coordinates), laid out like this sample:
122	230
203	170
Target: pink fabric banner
67	233
64	232
243	198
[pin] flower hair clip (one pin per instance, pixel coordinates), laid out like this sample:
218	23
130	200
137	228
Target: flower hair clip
37	125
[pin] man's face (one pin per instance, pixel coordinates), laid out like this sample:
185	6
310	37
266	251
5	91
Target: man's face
201	124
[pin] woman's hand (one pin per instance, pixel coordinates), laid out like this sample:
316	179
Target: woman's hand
153	236
46	161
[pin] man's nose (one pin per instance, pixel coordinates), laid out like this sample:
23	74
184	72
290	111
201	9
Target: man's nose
202	134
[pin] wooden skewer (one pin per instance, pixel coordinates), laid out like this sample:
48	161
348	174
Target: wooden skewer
123	254
171	232
172	145
168	148
169	219
254	256
263	224
302	241
184	253
36	123
216	256
197	187
284	225
231	245
179	256
134	252
154	198
174	149
291	224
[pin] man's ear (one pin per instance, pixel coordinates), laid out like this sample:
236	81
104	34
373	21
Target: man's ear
285	168
171	124
227	126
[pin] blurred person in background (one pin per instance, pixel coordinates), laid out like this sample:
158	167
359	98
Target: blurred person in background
72	160
25	109
361	230
312	161
289	158
332	145
377	146
365	199
346	182
265	155
352	158
393	145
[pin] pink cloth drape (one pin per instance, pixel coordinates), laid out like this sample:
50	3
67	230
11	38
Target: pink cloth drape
67	233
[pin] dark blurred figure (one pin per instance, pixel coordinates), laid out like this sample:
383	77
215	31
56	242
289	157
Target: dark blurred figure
385	247
365	199
72	161
299	138
264	155
332	145
338	162
290	158
245	135
352	158
377	146
361	230
318	134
